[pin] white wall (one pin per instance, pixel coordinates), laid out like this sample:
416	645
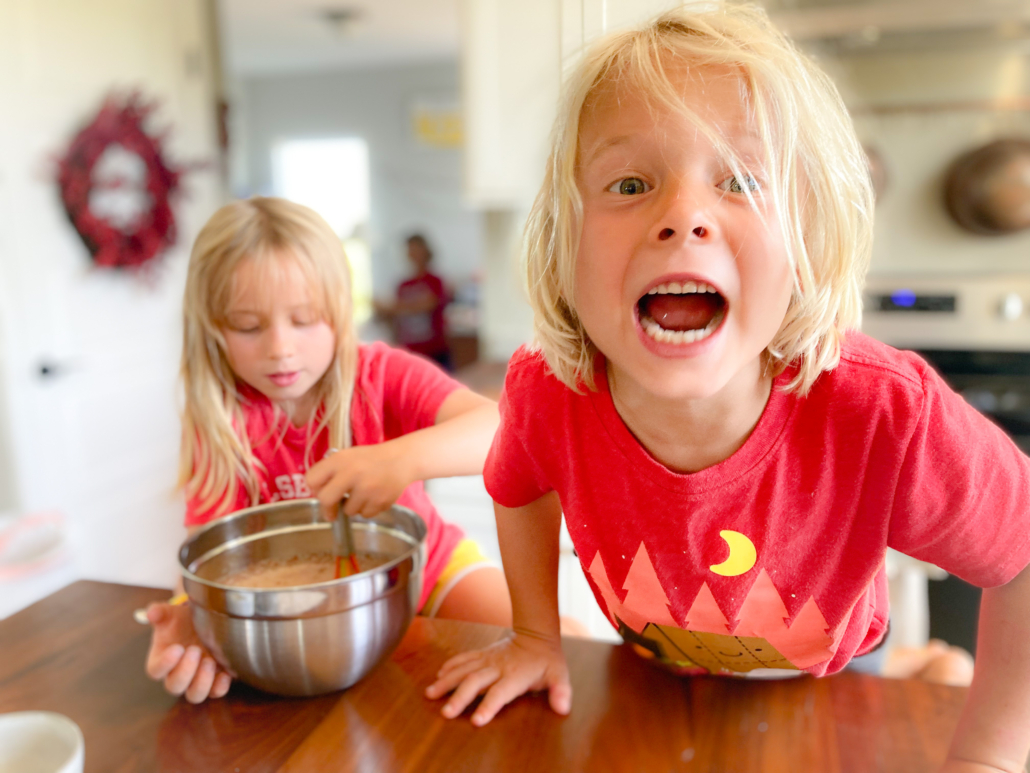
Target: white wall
507	319
921	110
98	440
414	187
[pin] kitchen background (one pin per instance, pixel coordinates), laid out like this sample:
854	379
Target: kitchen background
397	116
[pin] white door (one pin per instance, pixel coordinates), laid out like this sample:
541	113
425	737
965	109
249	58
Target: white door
88	358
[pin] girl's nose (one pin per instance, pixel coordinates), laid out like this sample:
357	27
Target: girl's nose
280	342
686	215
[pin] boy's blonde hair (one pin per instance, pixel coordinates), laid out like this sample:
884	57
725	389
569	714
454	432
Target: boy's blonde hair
216	454
817	169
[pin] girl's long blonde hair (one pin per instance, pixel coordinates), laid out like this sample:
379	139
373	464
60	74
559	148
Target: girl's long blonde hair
818	171
216	455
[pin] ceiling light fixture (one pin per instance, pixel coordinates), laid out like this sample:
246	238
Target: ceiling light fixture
344	21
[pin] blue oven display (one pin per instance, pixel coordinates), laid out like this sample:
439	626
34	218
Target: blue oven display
907	300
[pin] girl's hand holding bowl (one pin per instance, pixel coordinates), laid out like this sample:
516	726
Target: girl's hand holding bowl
178	657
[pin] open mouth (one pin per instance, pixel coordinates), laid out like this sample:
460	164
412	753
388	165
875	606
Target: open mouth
681	312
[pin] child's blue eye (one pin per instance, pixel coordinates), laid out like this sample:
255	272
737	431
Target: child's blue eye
630	186
733	184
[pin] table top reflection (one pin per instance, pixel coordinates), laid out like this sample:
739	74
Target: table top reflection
80	653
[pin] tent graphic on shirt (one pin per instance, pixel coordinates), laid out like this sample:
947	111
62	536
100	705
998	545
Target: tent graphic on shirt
712	652
760	638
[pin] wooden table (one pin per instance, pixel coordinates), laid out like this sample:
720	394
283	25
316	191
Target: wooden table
80	653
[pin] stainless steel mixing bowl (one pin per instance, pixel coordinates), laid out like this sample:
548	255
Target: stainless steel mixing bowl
310	639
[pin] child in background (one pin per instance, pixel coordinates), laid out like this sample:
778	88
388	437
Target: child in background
733	459
274	377
418	313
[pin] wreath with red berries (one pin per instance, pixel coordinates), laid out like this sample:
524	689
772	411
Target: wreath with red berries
119	245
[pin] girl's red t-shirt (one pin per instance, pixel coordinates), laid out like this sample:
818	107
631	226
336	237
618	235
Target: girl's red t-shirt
773	558
395	393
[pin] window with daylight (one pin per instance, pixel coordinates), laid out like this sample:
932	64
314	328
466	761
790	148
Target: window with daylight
331	176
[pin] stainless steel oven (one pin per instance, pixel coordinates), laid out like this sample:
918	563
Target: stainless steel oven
975	330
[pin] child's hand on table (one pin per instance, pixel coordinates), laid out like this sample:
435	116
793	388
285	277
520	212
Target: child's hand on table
505	670
178	657
371	477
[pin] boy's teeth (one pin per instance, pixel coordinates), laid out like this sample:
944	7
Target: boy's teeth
678	288
658	333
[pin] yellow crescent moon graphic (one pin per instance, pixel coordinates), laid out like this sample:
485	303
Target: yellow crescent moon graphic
742	555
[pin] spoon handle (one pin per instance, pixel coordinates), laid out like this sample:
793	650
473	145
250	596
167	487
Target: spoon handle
343	544
343	539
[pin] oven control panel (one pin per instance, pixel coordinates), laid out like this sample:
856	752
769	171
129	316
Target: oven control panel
974	312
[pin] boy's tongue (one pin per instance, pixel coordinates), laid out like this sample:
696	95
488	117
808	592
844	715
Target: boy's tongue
691	311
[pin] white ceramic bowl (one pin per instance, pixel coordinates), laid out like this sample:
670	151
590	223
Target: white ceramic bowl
40	742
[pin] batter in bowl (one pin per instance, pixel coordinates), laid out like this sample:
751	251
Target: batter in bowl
295	571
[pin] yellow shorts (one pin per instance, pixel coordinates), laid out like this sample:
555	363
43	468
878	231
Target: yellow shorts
466	558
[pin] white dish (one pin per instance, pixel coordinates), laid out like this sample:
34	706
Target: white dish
40	742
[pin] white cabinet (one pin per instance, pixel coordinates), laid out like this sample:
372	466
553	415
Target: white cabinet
510	79
582	21
513	56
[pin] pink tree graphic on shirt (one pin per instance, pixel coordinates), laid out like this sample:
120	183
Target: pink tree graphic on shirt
600	576
645	600
810	641
704	614
763	613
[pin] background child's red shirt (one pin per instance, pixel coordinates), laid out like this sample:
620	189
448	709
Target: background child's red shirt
424	332
395	393
880	453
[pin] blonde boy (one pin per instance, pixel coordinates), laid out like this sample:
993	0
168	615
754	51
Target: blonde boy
731	457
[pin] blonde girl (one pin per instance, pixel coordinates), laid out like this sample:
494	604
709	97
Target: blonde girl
274	377
732	458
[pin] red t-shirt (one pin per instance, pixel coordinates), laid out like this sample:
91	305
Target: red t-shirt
423	332
775	556
395	393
